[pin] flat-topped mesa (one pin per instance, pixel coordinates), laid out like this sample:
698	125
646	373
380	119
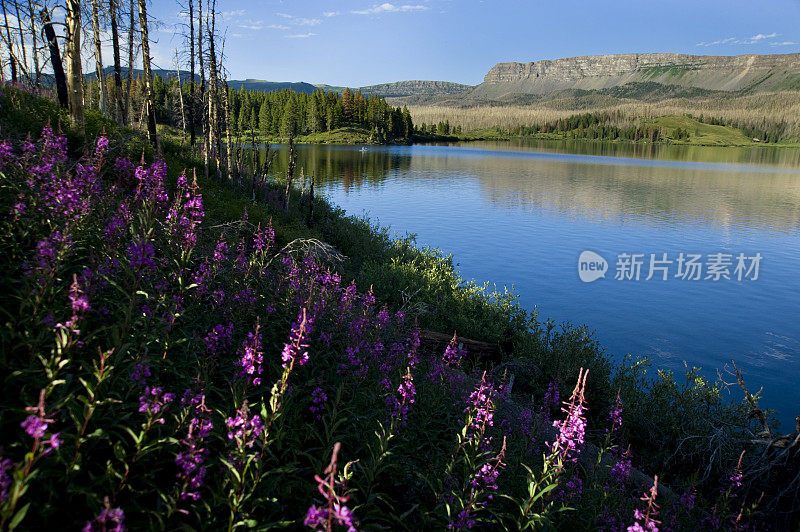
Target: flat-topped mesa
730	73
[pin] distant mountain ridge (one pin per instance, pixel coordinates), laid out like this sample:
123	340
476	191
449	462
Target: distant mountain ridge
645	76
749	73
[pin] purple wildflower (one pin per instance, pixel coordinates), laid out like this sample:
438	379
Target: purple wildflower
243	428
407	395
218	339
649	516
154	401
140	255
453	353
463	521
35	426
191	459
318	398
109	520
252	357
139	373
295	350
102	145
621	470
220	251
571	431
480	409
334	511
5	477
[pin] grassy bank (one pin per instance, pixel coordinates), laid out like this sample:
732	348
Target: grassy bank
196	357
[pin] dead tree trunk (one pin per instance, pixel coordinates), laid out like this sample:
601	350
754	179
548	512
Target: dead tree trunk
121	118
131	34
289	175
98	57
22	43
148	76
180	96
213	96
310	218
11	57
35	41
75	76
192	95
202	84
228	133
55	60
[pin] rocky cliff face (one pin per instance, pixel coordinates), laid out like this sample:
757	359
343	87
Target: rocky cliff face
728	73
416	88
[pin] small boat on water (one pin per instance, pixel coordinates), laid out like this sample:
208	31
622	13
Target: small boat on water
363	149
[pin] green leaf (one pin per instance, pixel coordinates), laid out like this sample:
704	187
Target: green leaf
18	517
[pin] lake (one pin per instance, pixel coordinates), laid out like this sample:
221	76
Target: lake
521	214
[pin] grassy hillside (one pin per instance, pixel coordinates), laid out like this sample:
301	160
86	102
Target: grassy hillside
191	354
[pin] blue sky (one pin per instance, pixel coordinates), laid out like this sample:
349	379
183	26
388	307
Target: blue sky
360	42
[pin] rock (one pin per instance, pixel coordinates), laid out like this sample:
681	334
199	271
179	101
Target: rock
726	73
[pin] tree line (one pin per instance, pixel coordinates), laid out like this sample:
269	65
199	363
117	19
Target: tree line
592	126
197	99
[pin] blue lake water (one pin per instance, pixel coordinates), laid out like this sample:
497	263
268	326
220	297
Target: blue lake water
520	214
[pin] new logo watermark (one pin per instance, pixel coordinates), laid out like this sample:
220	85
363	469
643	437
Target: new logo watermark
591	266
664	266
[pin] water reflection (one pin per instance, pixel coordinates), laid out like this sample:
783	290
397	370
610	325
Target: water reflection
729	194
521	215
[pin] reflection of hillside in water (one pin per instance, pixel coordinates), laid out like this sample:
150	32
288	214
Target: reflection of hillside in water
350	167
617	192
786	158
650	194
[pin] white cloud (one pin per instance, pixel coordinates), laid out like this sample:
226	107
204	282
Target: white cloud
755	39
301	36
307	21
761	36
277	27
284	15
329	14
784	43
252	25
389	8
237	13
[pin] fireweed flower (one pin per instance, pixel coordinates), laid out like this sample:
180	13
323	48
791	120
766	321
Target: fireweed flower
139	373
648	517
480	411
141	255
109	520
263	240
119	222
6	154
5	477
150	183
615	416
295	350
621	470
453	353
154	401
571	431
243	428
334	510
406	395
220	251
251	358
191	459
736	475
318	398
186	214
219	339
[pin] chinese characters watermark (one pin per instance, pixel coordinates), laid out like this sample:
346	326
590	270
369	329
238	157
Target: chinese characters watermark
663	266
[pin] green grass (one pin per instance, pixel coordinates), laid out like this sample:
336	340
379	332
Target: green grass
700	133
